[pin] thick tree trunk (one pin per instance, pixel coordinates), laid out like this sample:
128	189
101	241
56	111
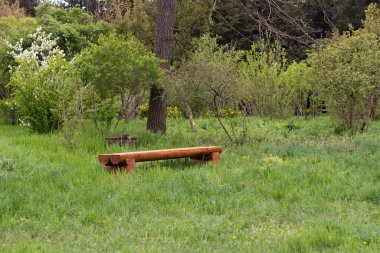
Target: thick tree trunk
157	110
163	41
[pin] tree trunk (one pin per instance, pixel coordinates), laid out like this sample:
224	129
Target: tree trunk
189	114
163	40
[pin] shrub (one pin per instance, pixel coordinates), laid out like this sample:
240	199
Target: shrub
44	94
44	85
297	84
347	74
265	94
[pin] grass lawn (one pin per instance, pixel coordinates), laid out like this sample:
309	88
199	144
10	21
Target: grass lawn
295	186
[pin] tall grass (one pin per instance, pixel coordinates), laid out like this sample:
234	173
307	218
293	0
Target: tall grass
295	186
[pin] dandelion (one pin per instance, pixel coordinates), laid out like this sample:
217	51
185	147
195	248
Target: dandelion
221	186
234	237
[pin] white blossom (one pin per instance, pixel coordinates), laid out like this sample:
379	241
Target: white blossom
42	50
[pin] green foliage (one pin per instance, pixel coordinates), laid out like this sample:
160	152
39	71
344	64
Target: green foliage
139	20
372	20
117	67
74	29
44	94
117	64
346	71
11	30
297	84
265	94
192	20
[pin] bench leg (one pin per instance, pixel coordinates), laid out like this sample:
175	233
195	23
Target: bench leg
130	167
215	157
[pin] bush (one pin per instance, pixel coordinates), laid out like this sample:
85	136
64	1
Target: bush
44	85
347	75
297	84
44	94
265	94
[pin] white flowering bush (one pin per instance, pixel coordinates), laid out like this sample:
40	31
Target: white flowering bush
42	50
44	84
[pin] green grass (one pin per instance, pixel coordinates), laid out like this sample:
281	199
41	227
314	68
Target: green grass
285	190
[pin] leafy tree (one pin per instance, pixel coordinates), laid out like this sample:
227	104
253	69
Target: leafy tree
117	67
137	19
73	29
347	73
12	28
191	20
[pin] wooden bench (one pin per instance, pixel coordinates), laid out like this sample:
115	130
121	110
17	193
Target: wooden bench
126	161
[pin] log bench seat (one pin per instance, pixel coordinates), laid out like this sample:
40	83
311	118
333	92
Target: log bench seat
126	161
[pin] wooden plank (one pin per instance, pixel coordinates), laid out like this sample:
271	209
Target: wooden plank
153	155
